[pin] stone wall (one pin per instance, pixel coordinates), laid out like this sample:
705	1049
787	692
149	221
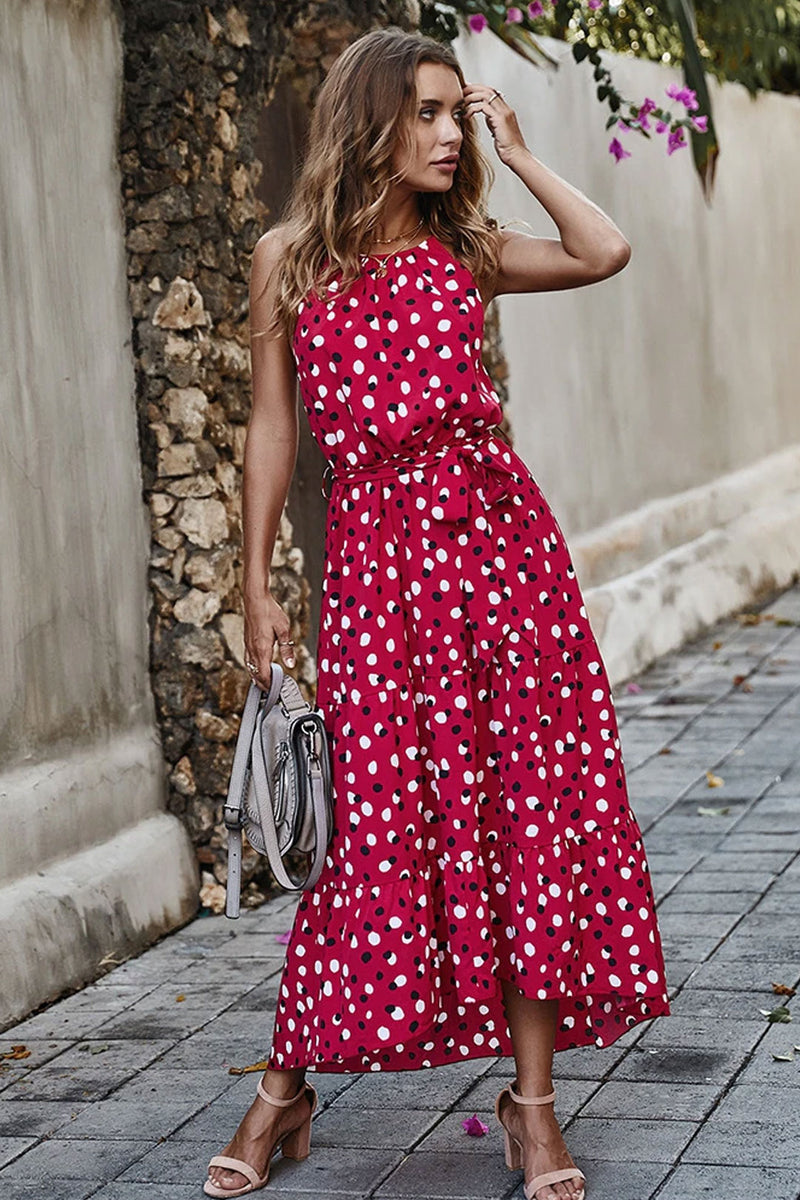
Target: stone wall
198	83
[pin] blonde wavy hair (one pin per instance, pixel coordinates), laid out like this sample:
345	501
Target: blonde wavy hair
366	107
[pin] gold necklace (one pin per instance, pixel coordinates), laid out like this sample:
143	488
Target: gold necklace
386	241
381	268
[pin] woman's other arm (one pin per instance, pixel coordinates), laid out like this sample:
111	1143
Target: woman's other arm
269	460
590	247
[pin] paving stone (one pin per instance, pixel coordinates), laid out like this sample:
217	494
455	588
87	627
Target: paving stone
200	1050
155	1082
763	1069
584	1062
609	1140
732	882
147	1191
719	1005
698	1182
105	997
742	946
700	1032
742	1143
684	903
140	1119
751	860
751	976
261	998
679	1065
689	948
111	1054
75	1085
66	1026
57	1188
236	971
433	1088
170	1027
446	1174
262	946
101	1160
34	1118
748	1102
206	998
12	1147
40	1051
369	1128
653	1101
708	924
677	974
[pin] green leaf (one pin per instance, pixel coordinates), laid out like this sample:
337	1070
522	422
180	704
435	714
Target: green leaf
580	51
713	812
784	1057
777	1016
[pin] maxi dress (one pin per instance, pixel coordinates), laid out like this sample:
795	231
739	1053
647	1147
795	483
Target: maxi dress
482	829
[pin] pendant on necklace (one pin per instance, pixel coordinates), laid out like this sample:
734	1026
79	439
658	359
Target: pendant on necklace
380	270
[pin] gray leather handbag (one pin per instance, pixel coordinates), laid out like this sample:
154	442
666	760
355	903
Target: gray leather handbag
280	789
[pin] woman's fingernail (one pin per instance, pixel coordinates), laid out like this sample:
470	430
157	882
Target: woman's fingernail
290	660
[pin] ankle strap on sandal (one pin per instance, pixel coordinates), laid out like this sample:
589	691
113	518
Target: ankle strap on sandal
515	1096
265	1095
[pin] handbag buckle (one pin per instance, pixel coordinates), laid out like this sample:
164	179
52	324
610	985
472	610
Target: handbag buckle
232	816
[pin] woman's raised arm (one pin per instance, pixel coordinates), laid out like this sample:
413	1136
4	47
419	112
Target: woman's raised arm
269	460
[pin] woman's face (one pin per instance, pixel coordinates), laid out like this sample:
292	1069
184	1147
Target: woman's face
436	129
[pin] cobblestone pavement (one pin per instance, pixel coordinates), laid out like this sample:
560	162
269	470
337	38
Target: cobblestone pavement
126	1092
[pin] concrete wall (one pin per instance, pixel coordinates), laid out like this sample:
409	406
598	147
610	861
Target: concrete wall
89	862
661	406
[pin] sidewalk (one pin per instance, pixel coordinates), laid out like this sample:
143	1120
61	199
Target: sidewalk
126	1092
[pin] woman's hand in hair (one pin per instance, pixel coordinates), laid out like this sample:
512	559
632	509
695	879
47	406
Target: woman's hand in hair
501	121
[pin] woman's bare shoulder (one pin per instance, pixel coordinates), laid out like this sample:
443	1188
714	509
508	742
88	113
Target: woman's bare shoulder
271	246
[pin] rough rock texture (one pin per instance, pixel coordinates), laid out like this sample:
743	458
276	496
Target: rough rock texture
198	79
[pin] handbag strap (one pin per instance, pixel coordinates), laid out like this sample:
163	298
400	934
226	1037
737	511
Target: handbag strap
237	789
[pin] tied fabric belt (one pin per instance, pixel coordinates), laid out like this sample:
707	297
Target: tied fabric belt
484	459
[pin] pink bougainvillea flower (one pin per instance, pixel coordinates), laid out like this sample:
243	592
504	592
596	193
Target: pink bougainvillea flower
684	96
633	688
676	140
477	23
474	1126
645	107
513	16
535	10
700	124
595	4
662	126
618	150
284	938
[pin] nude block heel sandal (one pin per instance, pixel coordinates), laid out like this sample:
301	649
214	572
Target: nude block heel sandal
513	1147
296	1144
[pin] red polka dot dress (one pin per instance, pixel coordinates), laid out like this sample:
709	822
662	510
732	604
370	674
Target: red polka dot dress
482	828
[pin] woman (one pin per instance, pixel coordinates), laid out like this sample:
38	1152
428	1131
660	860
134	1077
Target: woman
485	891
